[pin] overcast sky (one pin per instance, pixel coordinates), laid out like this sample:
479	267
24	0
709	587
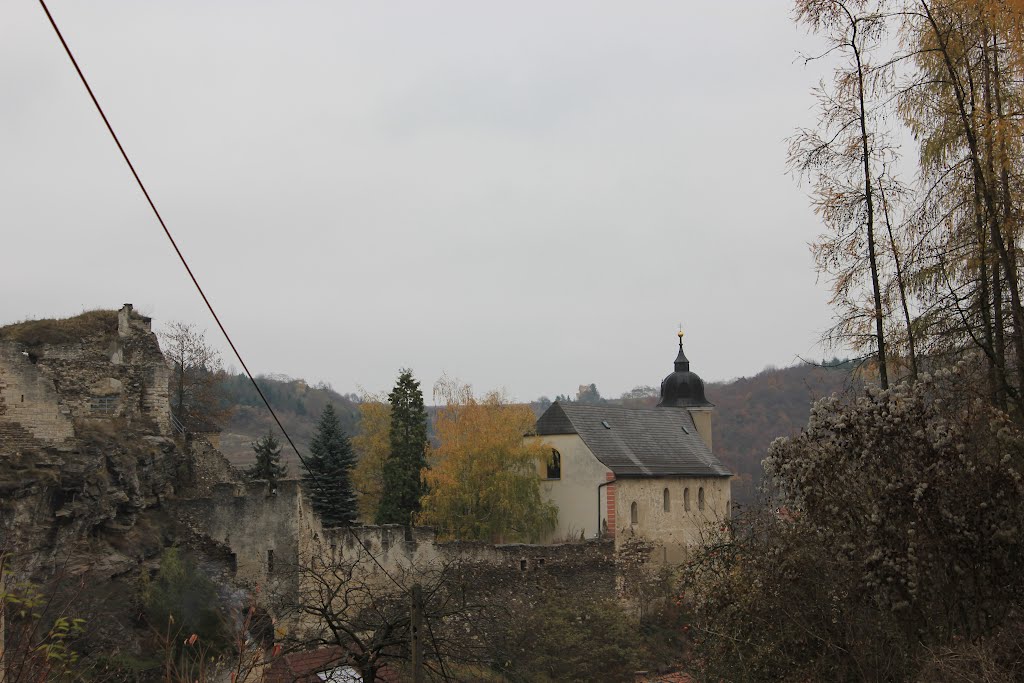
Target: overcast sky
529	195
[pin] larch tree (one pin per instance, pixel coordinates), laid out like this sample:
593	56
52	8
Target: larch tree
843	158
964	110
373	446
268	460
484	483
328	472
403	470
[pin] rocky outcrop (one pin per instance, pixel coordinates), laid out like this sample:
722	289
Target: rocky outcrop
88	456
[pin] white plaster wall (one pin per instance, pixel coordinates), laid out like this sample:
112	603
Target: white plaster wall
702	420
678	528
575	493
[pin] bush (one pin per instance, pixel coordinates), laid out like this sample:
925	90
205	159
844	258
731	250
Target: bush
893	530
573	639
182	601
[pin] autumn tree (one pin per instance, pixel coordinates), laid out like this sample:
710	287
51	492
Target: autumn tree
196	396
328	472
845	159
407	459
268	465
484	482
964	109
373	446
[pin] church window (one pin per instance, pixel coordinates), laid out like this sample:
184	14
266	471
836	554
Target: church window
728	510
666	500
270	561
555	465
633	513
700	498
686	499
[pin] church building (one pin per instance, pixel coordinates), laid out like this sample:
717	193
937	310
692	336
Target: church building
637	472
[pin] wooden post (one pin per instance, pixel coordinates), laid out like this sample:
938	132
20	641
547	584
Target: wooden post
416	633
3	612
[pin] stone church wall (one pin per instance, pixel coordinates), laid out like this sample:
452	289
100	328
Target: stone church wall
683	524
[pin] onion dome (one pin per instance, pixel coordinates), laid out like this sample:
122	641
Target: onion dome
682	389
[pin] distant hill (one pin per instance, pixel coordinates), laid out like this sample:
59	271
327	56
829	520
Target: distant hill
297	404
750	413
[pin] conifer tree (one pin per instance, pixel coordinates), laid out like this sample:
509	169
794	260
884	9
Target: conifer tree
328	475
268	460
403	486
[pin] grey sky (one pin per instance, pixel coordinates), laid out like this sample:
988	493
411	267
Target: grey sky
529	195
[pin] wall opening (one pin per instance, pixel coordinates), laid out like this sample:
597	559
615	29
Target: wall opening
666	500
686	499
700	498
103	405
633	513
522	565
270	561
555	465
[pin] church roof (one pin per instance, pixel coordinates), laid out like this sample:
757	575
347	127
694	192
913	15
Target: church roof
636	442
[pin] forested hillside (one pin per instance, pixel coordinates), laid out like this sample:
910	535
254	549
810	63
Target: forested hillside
297	404
751	412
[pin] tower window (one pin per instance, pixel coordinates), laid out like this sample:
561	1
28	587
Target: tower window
686	499
666	500
633	516
555	465
700	498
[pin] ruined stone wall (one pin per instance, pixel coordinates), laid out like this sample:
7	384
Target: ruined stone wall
44	388
259	528
269	534
30	408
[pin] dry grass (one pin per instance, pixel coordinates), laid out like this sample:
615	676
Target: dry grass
63	331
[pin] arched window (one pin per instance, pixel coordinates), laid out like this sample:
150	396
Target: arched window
728	510
700	498
686	499
555	465
666	500
632	513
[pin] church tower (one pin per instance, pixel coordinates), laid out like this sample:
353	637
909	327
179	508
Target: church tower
685	389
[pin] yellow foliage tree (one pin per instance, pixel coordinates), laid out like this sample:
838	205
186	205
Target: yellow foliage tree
484	482
373	445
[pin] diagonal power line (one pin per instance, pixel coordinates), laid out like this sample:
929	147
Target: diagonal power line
195	282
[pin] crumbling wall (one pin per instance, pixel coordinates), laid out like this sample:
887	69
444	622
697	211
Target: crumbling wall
30	408
258	527
269	535
45	387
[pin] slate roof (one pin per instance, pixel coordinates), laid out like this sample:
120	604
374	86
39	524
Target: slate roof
638	442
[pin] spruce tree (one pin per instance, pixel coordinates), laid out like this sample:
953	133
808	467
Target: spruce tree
268	460
403	486
328	475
